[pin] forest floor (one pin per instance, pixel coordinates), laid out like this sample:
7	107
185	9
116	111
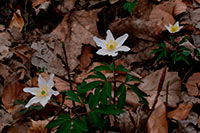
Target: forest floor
43	37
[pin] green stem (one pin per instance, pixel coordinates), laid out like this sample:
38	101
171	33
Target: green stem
114	78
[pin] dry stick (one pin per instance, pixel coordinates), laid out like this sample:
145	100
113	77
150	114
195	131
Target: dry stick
65	54
158	93
167	93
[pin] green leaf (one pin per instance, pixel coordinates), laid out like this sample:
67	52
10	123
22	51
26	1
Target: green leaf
100	75
159	56
106	92
184	40
95	120
72	96
89	86
64	116
121	68
94	99
91	77
172	40
139	93
109	110
64	128
36	107
101	68
122	97
132	78
80	124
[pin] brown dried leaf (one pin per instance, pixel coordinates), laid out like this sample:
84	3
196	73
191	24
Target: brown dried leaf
37	3
4	50
17	21
193	84
82	27
180	7
67	5
86	57
38	126
11	93
5	120
198	1
150	85
181	113
157	122
24	52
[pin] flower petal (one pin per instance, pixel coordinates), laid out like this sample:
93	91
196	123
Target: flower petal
120	40
107	52
50	83
102	52
32	101
123	48
41	81
168	28
109	36
176	24
31	90
45	100
99	42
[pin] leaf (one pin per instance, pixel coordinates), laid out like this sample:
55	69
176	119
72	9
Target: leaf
94	99
17	21
106	92
62	118
64	128
38	126
184	40
95	120
73	96
181	113
109	110
80	124
100	75
121	68
122	97
101	68
89	86
192	84
131	78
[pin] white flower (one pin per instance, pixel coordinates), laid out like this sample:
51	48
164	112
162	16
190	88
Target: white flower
110	46
43	93
174	28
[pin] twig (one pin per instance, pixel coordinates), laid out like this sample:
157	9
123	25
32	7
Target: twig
158	93
167	91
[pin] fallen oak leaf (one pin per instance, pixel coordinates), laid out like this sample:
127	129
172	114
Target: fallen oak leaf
192	84
17	21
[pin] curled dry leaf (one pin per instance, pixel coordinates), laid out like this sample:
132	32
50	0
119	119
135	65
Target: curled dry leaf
37	3
180	7
157	122
83	27
44	6
38	126
6	119
193	84
4	50
17	21
181	113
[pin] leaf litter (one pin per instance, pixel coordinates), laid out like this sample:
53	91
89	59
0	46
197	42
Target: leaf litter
21	56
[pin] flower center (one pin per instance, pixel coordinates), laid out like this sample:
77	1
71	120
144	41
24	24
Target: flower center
42	92
111	45
174	28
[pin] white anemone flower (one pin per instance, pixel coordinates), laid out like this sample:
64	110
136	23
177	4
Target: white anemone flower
110	46
174	28
43	93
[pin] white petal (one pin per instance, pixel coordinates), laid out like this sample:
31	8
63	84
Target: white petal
106	52
45	100
180	27
52	92
101	52
99	42
123	48
32	101
109	36
168	28
121	40
50	83
176	24
41	81
31	90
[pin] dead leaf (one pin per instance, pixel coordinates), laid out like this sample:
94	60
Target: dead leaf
4	50
198	1
44	6
2	27
11	93
37	3
150	85
17	21
38	126
66	6
179	8
83	28
181	113
157	122
6	119
193	84
199	122
86	57
24	52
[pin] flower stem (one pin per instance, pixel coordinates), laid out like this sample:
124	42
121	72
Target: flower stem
114	78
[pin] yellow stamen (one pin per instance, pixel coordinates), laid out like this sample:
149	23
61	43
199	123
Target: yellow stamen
42	92
111	45
174	28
